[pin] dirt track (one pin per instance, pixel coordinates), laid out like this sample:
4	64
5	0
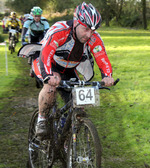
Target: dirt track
15	114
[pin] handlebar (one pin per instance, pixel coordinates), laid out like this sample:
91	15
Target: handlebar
71	83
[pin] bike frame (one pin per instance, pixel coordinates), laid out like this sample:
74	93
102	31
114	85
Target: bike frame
74	114
54	116
12	44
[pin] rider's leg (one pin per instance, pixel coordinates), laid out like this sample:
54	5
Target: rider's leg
9	41
47	98
66	94
17	40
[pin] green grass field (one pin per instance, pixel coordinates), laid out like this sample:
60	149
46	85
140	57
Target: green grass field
123	118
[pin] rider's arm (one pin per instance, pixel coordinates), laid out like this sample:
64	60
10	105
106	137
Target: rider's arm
45	22
46	56
98	50
46	25
24	31
7	24
101	58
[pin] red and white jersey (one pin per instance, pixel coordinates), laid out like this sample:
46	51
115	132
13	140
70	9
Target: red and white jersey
60	48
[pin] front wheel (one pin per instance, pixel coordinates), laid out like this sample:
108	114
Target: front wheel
84	148
12	44
40	152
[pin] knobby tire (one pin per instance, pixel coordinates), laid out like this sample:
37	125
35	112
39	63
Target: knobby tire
86	147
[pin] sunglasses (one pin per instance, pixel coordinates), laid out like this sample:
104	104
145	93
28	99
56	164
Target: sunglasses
37	15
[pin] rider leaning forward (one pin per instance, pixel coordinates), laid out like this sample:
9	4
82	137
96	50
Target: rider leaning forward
13	23
66	45
36	24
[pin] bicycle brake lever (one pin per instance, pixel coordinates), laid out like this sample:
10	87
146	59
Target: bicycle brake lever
104	88
63	84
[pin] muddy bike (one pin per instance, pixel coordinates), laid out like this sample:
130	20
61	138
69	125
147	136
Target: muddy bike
13	40
73	140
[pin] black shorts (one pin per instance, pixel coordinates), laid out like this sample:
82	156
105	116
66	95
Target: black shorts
66	74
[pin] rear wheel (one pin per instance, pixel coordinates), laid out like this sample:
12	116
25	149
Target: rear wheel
40	152
84	148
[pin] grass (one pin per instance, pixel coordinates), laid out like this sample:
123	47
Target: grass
122	119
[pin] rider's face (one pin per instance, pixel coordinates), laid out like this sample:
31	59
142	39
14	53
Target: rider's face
83	33
37	18
14	17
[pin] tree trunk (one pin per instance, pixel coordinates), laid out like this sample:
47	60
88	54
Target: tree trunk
144	14
107	14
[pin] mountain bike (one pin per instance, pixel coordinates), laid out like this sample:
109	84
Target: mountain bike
73	140
13	39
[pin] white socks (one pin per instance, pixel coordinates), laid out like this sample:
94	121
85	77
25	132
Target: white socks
41	118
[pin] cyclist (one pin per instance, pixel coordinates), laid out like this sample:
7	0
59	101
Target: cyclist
14	23
67	45
36	25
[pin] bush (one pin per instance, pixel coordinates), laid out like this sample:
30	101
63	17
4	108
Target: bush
131	21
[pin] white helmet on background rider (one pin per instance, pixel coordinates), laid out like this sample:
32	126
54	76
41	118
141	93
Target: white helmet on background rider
13	14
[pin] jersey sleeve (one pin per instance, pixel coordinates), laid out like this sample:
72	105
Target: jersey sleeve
46	25
98	50
49	46
7	23
45	22
27	24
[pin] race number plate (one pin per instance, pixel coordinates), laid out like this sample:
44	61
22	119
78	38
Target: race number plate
85	96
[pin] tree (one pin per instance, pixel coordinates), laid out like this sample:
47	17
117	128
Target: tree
144	13
24	6
118	9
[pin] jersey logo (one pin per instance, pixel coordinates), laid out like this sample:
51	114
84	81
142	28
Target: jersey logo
97	49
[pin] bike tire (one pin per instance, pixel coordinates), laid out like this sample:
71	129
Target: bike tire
84	148
13	44
40	155
12	50
10	45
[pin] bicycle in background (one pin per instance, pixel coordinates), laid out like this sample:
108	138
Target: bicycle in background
12	40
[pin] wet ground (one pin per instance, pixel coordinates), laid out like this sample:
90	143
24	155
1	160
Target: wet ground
15	115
